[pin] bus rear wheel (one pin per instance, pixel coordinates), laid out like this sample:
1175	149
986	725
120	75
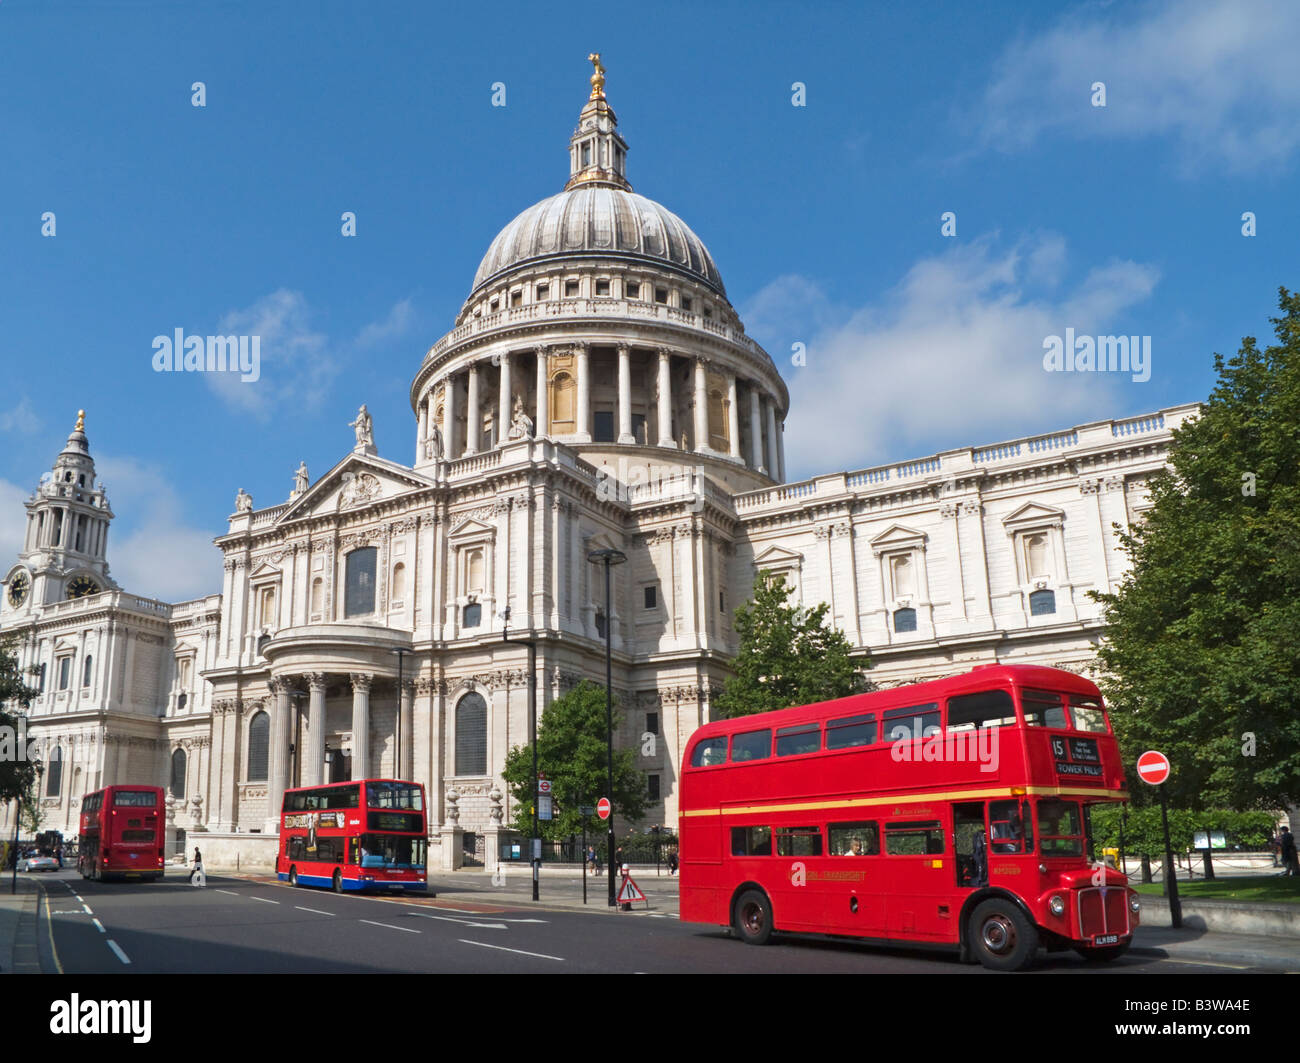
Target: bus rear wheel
1001	937
338	881
753	918
293	876
1104	953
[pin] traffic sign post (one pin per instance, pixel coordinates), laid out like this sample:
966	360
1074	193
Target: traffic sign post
603	808
1153	769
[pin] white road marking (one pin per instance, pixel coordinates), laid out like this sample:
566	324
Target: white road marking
404	929
463	922
99	926
118	949
1207	963
317	911
87	908
231	892
264	900
517	952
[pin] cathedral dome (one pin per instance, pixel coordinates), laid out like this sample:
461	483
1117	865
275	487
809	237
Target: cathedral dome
599	220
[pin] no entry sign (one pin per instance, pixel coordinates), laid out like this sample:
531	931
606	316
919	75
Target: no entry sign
1153	767
603	808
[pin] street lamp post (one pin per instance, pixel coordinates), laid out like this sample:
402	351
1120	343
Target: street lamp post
609	556
534	843
401	652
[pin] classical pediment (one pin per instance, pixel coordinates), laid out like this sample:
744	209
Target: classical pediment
472	528
897	537
778	557
1033	515
358	481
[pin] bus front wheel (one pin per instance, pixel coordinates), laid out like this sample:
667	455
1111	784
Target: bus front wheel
753	918
1104	953
338	881
1001	937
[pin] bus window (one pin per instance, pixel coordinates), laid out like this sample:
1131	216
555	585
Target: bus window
1043	709
1060	827
918	721
913	839
1088	715
791	741
988	708
709	752
854	839
1007	828
752	745
751	841
851	731
389	795
798	841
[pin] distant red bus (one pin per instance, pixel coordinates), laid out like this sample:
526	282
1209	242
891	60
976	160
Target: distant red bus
122	833
952	812
368	834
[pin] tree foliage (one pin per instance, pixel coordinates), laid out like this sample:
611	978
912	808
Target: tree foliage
571	753
1203	636
788	656
1144	834
17	777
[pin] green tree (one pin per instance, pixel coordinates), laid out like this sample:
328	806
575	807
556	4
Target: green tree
788	656
16	776
1203	637
571	752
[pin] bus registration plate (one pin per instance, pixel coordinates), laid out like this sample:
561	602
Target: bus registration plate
1106	939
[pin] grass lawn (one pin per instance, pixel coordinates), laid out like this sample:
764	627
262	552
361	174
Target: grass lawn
1271	888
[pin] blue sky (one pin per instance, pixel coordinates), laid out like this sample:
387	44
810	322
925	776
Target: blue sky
825	219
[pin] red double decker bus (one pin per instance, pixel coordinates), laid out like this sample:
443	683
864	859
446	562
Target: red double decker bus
122	833
368	834
952	812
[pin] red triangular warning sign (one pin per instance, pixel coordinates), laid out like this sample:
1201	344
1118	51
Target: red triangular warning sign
630	892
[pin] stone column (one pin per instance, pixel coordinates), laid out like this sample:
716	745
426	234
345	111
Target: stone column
543	396
278	768
665	404
448	416
771	438
473	416
733	415
421	430
312	765
406	730
583	356
780	452
503	421
755	432
701	408
361	721
625	394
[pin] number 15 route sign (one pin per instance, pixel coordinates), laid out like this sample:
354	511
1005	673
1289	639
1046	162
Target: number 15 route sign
1153	767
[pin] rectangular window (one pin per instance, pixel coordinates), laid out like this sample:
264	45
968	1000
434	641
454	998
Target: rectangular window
661	295
517	297
988	708
1007	827
914	839
918	721
1043	709
752	745
854	839
633	289
638	427
543	291
652	722
709	752
570	289
1060	827
135	799
603	426
651	596
652	781
1088	715
602	287
686	303
851	731
798	841
722	601
65	671
359	588
805	738
751	841
494	305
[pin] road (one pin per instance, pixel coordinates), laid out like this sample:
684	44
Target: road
245	925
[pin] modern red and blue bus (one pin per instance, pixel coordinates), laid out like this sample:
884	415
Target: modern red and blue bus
122	834
953	812
363	835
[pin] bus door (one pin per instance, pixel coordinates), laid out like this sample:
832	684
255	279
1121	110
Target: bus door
920	900
970	844
851	879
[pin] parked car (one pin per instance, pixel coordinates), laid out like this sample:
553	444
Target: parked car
35	862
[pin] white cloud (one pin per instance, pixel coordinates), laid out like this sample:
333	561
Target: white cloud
1218	76
397	323
295	364
953	355
13	522
152	550
22	418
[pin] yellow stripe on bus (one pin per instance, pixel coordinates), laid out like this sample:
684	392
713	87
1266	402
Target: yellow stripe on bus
908	799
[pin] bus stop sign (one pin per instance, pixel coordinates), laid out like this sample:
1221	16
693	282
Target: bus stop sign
1153	767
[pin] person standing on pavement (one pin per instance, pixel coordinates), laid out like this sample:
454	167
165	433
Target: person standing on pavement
198	863
1289	856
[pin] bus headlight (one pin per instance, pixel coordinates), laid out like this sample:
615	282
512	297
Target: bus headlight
1134	904
1056	905
1042	869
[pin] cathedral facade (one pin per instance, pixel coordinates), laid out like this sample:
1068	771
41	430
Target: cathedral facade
597	391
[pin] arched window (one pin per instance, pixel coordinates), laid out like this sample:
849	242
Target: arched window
87	670
54	772
474	575
904	577
904	620
398	593
178	774
359	596
471	735
1036	555
1042	603
317	596
259	743
719	439
563	393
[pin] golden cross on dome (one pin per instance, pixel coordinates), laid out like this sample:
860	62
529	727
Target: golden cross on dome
598	78
81	420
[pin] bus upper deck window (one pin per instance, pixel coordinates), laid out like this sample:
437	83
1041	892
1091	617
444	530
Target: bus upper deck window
752	745
987	708
1088	715
1044	709
709	752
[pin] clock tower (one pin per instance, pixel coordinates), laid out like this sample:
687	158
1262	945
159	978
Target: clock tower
67	533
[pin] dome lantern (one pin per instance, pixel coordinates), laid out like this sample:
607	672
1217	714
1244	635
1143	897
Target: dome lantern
597	154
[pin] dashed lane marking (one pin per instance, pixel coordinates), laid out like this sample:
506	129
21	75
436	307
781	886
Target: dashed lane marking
117	949
517	952
316	911
404	929
99	926
264	900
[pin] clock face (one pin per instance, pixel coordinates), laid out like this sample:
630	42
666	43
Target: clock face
80	586
18	588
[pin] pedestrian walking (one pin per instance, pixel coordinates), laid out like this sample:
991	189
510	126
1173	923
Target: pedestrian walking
1289	857
198	864
596	861
591	858
1275	848
672	862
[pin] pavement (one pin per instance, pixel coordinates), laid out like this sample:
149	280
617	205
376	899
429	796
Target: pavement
561	888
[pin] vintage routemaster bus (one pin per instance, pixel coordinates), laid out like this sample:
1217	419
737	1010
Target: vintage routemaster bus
952	812
122	833
368	834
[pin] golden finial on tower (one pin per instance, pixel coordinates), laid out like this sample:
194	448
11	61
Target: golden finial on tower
81	420
598	78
